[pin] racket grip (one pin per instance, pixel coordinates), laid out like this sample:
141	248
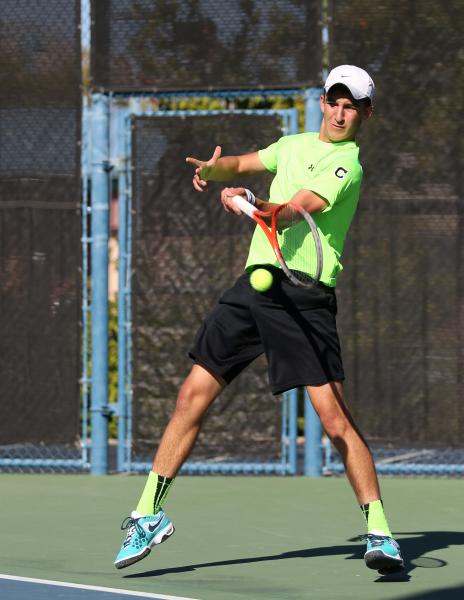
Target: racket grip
244	205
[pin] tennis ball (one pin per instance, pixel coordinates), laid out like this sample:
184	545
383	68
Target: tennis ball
261	280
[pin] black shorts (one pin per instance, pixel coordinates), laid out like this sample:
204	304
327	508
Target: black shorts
296	328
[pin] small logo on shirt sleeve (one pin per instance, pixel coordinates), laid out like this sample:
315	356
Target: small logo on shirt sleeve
340	172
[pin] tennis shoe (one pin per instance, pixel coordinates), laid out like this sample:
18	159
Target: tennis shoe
383	554
143	532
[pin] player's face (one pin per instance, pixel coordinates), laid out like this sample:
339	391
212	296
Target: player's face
341	117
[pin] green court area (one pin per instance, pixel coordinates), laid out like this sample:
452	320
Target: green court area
236	537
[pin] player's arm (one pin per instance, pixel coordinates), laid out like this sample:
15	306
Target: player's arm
224	168
310	201
307	199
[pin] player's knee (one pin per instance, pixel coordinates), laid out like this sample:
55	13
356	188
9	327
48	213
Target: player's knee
189	403
336	425
185	402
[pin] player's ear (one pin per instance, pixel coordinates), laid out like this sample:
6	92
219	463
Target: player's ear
321	102
368	111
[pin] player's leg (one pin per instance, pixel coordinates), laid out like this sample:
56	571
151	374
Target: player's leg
383	552
225	344
299	333
148	525
329	403
195	396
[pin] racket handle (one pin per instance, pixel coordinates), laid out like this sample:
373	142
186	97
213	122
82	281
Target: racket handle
244	205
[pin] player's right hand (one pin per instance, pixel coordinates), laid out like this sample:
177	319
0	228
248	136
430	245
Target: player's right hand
203	169
226	198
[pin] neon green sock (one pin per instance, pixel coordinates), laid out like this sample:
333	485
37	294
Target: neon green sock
154	494
375	518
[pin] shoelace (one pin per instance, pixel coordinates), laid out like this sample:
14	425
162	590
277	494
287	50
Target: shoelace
375	540
132	525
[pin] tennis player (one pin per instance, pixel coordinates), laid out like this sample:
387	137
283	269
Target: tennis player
296	328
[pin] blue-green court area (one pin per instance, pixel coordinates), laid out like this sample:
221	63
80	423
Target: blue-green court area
253	538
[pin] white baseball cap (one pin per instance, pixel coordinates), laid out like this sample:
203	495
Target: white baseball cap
357	80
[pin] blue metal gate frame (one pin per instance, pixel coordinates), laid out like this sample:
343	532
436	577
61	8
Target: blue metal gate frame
122	161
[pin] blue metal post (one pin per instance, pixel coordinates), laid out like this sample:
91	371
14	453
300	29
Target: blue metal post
313	429
313	444
293	430
289	431
313	115
100	231
285	402
85	159
293	121
122	276
134	108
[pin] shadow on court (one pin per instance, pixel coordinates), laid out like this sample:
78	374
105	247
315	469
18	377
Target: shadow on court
451	593
413	549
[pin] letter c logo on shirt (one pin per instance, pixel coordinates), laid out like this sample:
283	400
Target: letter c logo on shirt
340	172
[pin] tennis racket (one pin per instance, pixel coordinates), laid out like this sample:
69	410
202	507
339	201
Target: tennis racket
294	238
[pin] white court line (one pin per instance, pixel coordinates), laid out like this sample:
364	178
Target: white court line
93	588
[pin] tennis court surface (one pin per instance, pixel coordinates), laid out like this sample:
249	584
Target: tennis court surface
252	538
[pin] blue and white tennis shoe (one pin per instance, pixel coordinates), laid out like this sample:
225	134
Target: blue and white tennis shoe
383	554
143	532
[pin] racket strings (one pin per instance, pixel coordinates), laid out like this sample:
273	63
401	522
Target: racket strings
298	246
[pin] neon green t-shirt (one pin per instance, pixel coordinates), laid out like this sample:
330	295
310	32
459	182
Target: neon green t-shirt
331	170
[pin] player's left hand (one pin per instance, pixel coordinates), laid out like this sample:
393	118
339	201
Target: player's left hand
203	168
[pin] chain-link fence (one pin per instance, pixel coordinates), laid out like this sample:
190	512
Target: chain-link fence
40	257
186	251
152	45
402	296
